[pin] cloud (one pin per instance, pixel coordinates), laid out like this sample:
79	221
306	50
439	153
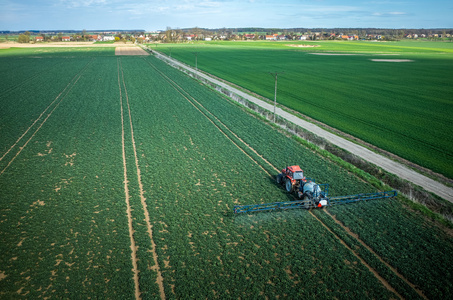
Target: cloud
82	3
389	14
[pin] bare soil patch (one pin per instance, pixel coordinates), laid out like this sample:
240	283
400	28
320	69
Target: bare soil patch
391	60
60	45
130	51
303	46
335	54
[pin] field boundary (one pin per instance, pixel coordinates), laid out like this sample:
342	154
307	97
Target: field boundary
379	160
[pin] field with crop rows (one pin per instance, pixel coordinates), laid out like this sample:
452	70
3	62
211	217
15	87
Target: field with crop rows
360	88
119	176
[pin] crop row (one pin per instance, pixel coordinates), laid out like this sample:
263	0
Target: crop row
202	250
63	223
63	208
420	251
28	100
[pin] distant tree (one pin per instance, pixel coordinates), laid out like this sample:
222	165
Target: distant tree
23	38
60	36
168	35
117	39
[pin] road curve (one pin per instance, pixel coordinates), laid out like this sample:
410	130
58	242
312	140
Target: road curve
385	163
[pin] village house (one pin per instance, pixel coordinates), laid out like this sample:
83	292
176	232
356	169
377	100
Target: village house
108	38
272	37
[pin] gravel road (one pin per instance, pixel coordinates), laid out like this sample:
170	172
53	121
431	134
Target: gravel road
389	165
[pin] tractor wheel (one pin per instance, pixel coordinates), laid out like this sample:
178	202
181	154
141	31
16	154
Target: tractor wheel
289	186
279	178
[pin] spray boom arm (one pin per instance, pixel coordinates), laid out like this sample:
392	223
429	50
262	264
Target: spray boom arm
307	204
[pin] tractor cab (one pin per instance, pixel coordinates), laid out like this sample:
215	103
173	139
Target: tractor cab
294	172
291	177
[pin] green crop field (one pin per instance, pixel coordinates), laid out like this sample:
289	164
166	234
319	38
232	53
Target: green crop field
361	88
118	178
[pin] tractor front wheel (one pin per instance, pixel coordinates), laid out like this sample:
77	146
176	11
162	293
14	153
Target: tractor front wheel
289	186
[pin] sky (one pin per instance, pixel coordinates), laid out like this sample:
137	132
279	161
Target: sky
152	15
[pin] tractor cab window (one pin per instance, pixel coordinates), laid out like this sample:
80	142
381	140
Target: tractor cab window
298	175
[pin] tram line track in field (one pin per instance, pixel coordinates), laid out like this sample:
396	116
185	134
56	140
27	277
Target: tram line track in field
136	270
355	236
61	96
384	282
10	89
394	270
127	196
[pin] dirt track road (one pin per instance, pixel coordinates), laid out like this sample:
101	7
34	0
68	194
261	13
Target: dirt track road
389	165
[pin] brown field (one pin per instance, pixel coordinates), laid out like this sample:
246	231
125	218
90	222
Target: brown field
130	51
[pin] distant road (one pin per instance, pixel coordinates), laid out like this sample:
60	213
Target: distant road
385	163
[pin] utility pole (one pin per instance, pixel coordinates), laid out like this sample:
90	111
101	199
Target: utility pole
275	74
196	60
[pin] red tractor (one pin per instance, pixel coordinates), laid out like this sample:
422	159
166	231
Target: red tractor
291	178
309	194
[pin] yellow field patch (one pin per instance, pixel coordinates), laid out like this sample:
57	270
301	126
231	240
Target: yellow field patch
130	51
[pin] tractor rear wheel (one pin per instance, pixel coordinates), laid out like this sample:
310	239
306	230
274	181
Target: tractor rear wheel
289	186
